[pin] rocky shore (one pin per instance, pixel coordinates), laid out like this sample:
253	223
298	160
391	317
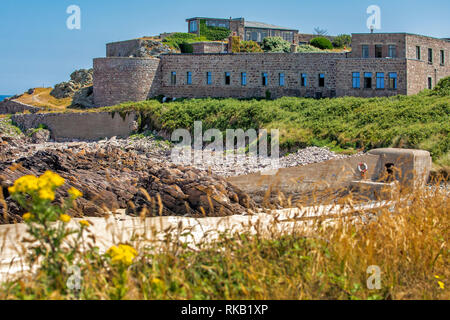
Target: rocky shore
135	173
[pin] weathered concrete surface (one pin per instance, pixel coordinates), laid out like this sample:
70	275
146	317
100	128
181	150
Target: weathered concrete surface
113	230
299	181
13	107
410	168
80	126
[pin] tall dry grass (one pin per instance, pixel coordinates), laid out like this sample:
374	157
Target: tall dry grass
289	259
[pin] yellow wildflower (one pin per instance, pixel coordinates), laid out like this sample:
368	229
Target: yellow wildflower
122	254
85	223
65	218
51	179
46	194
75	193
157	282
27	216
441	285
24	184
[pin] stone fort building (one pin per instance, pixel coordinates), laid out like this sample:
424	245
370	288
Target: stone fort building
379	65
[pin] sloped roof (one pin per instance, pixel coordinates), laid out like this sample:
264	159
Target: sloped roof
262	25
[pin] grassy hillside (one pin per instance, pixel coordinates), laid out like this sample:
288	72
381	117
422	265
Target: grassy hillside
42	98
421	121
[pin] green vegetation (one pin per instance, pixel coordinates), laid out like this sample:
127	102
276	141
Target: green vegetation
276	44
342	41
213	33
181	41
249	46
421	121
321	43
308	48
280	262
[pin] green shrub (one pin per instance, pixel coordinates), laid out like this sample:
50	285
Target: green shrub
235	44
308	48
213	33
250	46
342	41
321	43
442	88
276	44
345	123
180	41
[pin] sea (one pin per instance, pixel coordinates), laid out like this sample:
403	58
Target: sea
4	97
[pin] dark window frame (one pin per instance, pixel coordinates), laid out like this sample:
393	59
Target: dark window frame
173	78
430	55
368	80
378	51
189	78
243	78
281	79
393	81
380	85
418	53
228	78
304	80
321	80
365	49
208	78
265	79
357	79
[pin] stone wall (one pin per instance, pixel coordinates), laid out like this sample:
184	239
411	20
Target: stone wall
209	47
122	48
12	107
420	70
80	126
372	39
346	67
118	80
292	65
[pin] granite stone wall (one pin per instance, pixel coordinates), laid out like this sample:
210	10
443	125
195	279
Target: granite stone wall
118	80
12	107
80	126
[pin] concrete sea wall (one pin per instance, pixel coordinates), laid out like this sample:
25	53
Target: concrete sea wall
80	126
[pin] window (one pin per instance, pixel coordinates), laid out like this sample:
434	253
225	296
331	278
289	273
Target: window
264	79
173	78
356	80
189	77
365	51
442	57
392	51
244	78
208	78
193	26
430	55
321	80
281	79
368	80
304	80
378	51
380	80
393	80
418	53
430	83
227	78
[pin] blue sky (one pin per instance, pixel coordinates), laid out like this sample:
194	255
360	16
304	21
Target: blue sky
37	49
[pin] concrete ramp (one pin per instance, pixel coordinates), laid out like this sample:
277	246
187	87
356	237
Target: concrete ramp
368	175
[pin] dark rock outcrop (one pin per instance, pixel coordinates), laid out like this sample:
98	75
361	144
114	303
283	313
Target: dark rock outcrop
111	179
